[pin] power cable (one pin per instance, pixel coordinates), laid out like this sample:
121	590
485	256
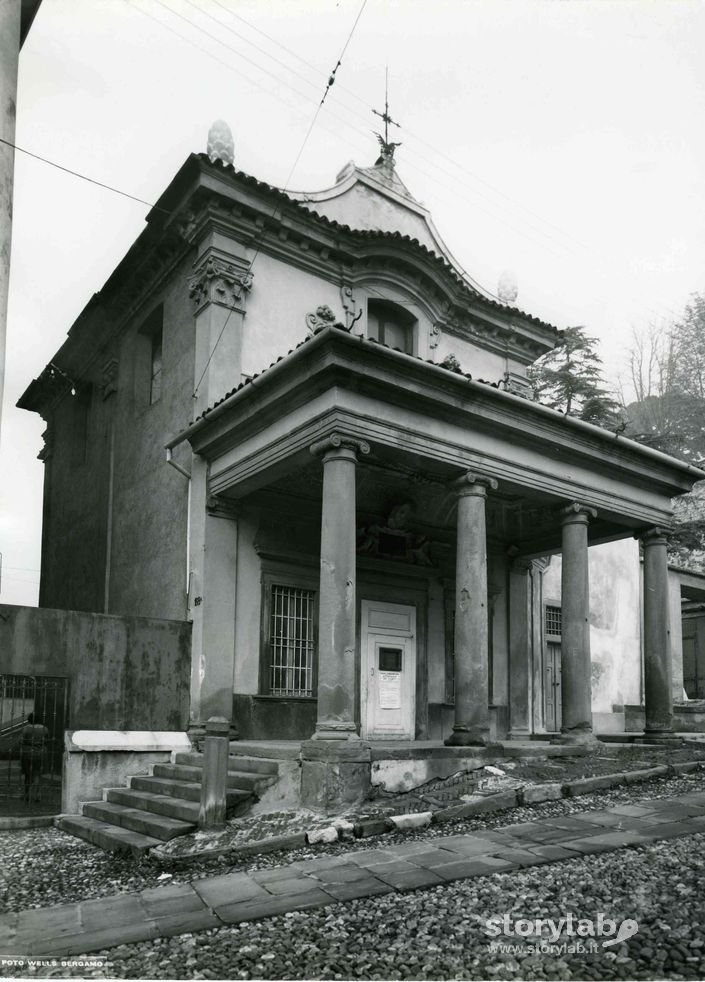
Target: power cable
258	248
562	232
550	242
83	177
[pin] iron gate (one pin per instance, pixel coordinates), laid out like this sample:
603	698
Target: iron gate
30	759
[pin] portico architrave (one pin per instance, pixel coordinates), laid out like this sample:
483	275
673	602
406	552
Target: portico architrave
576	667
472	717
658	699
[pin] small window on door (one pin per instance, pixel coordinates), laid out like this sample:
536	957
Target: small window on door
391	324
390	659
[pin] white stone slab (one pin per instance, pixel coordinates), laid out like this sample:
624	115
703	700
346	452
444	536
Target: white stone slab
127	740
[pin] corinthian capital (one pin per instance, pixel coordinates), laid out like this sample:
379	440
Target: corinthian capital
216	279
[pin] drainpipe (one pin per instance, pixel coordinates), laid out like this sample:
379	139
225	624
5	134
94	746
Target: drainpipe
182	470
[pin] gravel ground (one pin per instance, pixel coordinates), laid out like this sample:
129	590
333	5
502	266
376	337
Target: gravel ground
441	933
42	867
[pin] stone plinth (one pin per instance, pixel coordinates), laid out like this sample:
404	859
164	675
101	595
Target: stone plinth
334	774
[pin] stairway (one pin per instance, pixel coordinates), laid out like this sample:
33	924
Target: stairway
165	804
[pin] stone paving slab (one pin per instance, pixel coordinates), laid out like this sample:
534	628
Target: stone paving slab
233	898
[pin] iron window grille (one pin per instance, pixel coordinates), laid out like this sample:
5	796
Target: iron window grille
553	621
292	641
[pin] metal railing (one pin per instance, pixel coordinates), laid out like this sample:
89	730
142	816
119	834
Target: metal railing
33	718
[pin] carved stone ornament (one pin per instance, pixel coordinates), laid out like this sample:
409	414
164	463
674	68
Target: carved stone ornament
220	507
434	335
394	539
352	316
218	281
109	377
323	317
577	512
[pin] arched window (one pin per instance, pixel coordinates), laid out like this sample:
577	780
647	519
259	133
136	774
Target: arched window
391	324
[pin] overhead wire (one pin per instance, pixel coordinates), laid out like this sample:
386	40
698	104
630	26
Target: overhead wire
663	311
557	247
258	248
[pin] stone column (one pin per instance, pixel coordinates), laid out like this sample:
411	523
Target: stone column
520	649
472	718
337	611
335	763
576	667
658	698
213	548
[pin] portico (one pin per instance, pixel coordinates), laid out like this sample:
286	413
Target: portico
492	481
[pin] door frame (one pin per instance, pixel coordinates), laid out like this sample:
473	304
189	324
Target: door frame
365	634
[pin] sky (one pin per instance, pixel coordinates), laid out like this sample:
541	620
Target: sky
560	139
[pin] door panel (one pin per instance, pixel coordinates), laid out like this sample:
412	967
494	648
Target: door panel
388	647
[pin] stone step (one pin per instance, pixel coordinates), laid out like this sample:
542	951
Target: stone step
188	790
161	827
106	836
157	804
236	763
236	779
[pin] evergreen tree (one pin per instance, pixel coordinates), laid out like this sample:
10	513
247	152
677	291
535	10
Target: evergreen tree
569	379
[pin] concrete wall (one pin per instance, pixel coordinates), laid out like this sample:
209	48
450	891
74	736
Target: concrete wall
125	673
615	621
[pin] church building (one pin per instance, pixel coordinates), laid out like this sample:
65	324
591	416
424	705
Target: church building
299	425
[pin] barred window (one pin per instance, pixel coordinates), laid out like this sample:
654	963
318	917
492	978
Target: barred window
553	621
292	644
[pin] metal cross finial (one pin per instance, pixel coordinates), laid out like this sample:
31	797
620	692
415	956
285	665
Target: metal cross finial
387	147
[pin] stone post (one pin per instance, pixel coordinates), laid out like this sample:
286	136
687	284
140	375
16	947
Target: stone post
658	697
472	717
335	763
576	667
214	783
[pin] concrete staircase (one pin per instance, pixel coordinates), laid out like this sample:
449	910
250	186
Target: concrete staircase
165	804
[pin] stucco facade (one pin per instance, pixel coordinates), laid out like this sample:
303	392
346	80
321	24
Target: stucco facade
268	439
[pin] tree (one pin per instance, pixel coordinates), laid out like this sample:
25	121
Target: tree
667	375
569	379
667	369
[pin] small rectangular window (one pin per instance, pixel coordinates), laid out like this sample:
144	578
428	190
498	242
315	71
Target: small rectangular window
553	621
155	384
292	645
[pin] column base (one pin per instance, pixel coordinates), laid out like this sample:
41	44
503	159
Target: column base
339	734
335	774
666	737
468	736
581	737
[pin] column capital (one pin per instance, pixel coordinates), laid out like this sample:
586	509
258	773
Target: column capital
220	279
656	536
474	484
577	514
339	441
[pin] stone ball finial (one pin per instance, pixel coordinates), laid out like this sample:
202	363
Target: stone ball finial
220	142
508	287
